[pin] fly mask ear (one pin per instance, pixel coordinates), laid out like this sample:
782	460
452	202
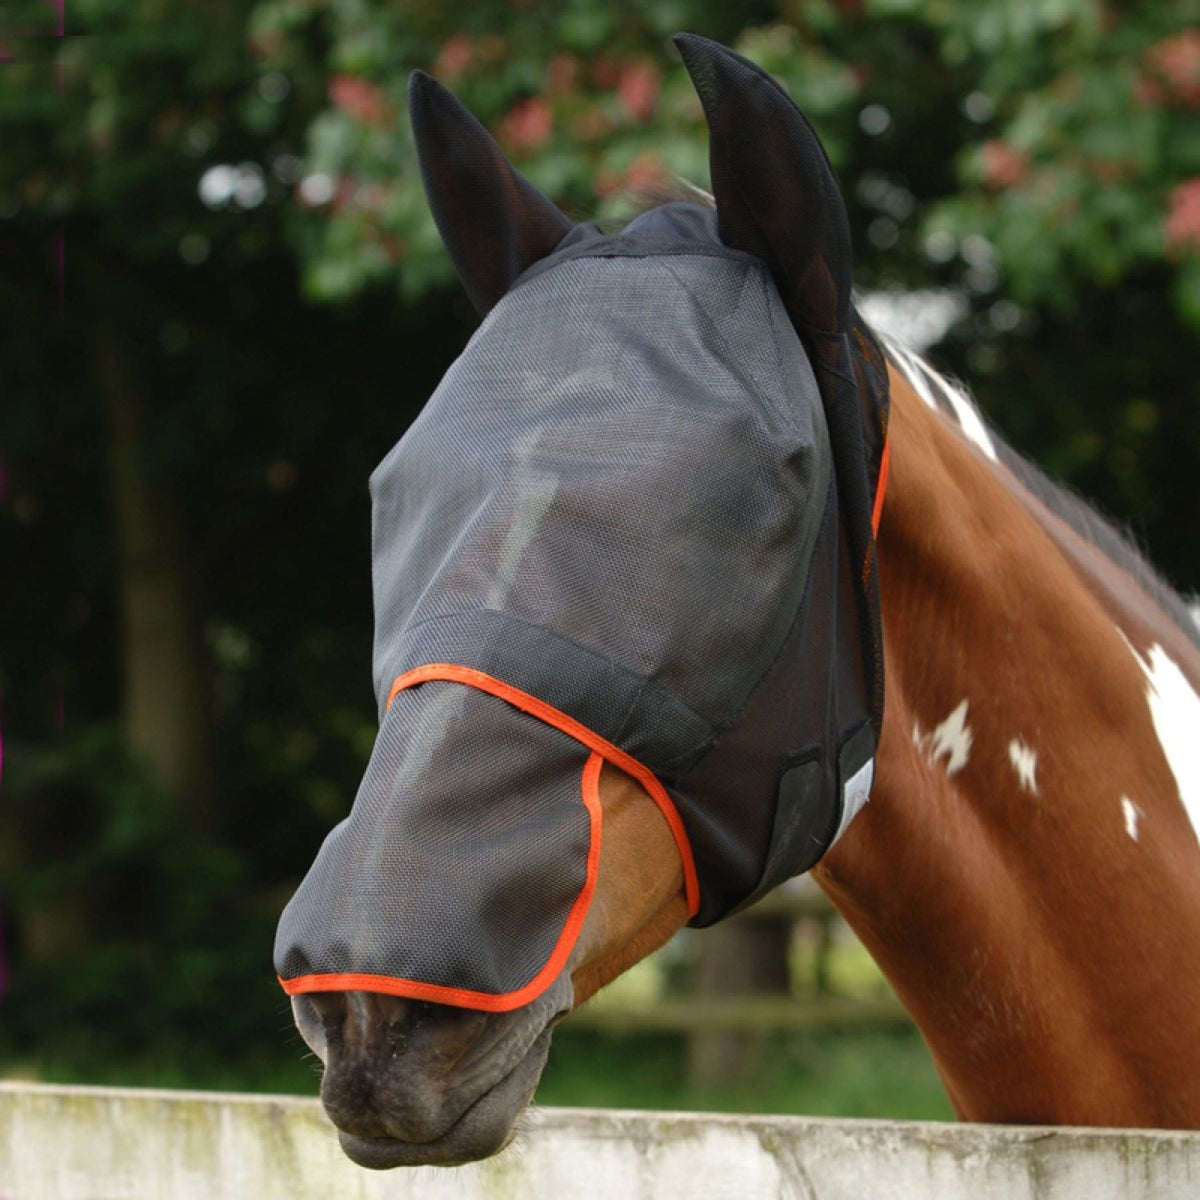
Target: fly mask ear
775	191
494	222
777	198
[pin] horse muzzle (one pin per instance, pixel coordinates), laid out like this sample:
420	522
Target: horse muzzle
409	1083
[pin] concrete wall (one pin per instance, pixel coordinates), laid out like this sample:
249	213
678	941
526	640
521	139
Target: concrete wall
61	1143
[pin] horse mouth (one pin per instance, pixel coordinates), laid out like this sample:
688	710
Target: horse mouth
484	1128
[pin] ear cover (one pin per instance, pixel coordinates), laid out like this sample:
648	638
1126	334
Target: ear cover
775	190
777	198
494	222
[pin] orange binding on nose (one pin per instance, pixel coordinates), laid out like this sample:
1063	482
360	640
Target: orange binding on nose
454	673
602	750
436	993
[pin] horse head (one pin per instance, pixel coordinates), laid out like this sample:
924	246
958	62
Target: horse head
627	652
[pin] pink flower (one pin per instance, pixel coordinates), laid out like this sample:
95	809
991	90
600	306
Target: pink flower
561	73
266	45
591	124
1173	71
638	87
360	100
606	183
645	174
527	125
1003	165
1113	170
370	197
344	195
491	48
606	70
454	57
1182	226
393	247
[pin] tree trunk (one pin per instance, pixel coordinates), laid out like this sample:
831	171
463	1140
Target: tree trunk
744	956
166	712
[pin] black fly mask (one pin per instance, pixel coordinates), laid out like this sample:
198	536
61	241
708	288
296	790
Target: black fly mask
634	524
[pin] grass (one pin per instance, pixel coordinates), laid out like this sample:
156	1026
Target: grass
813	1074
172	1066
845	1074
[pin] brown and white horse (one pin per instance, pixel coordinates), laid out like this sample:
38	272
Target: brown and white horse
1026	873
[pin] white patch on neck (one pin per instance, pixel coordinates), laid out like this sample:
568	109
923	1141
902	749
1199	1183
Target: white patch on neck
1194	609
1024	762
951	740
910	368
969	419
1175	710
1131	812
924	379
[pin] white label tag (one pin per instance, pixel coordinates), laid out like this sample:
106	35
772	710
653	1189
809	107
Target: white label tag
855	793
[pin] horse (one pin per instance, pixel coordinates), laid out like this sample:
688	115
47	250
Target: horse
1026	870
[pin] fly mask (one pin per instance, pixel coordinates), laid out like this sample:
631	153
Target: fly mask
634	523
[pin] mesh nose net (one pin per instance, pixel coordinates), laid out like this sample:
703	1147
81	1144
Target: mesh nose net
613	534
472	816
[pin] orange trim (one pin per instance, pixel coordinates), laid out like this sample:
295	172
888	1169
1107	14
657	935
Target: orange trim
881	486
572	728
415	989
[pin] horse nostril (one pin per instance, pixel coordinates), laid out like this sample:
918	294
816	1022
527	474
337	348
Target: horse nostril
329	1008
360	1021
315	1019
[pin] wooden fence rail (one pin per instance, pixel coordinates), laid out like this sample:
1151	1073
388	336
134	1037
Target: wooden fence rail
62	1143
754	1013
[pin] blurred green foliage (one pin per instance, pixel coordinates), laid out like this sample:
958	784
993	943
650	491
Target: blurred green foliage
118	957
1065	126
228	191
886	1074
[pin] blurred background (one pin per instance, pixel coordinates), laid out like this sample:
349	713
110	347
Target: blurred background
222	300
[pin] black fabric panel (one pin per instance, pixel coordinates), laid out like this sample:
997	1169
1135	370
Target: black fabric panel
833	360
729	800
777	198
802	800
857	750
645	720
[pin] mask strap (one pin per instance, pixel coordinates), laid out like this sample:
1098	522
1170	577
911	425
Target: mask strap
881	486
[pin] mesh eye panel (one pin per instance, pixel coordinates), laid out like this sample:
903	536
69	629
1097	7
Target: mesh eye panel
461	858
632	472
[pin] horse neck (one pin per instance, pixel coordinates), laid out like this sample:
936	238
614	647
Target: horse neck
1024	873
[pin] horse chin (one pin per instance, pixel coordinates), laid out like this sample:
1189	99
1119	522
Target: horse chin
484	1129
418	1084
